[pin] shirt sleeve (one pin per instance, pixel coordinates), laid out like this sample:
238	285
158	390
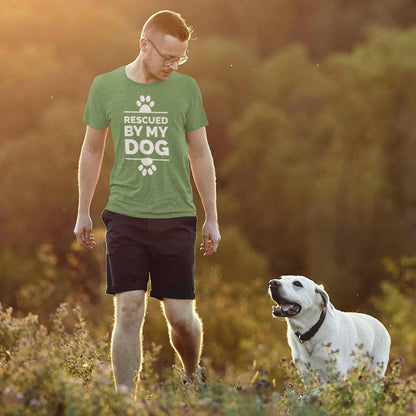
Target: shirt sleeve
95	114
196	116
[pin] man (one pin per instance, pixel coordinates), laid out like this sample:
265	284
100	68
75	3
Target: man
158	125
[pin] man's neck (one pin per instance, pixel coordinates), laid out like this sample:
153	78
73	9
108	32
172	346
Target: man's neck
136	72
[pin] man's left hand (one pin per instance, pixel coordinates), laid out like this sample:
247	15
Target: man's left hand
211	236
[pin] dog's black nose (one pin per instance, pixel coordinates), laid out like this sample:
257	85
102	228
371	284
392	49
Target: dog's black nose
274	283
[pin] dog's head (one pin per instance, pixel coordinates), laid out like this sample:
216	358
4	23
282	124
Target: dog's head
296	294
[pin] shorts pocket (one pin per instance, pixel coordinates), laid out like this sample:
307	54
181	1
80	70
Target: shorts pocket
106	217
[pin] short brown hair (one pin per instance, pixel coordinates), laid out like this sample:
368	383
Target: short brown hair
169	23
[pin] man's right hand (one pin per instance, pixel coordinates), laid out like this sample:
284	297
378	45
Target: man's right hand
82	231
89	170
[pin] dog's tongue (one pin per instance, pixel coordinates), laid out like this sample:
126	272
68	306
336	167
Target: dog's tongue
290	308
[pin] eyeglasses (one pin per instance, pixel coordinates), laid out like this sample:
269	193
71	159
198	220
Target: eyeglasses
170	61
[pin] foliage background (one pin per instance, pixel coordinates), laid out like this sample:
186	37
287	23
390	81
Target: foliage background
311	108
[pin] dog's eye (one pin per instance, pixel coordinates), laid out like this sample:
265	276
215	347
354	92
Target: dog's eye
297	284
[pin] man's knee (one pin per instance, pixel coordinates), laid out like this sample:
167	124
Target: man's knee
129	310
181	315
184	324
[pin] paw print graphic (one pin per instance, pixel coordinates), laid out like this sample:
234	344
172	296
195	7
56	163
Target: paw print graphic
147	167
145	104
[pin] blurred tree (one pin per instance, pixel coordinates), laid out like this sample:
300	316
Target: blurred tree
271	166
341	25
50	65
320	169
225	73
268	26
52	50
368	180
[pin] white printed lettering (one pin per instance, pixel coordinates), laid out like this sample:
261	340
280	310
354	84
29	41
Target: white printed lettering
131	146
161	148
145	120
128	131
151	131
138	130
163	130
149	145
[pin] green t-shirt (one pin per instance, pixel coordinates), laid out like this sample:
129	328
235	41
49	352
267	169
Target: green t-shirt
151	173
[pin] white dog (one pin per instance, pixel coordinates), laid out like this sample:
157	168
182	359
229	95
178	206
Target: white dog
313	322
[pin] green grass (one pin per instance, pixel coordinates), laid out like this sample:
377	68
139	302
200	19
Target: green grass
62	371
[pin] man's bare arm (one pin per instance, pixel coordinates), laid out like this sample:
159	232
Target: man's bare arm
88	173
203	171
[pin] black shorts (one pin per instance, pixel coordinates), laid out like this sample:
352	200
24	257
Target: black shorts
163	249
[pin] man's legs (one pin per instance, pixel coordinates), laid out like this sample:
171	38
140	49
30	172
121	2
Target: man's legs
126	342
185	330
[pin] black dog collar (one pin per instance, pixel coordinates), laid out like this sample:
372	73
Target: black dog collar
308	335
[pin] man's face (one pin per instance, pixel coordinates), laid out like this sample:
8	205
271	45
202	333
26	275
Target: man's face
158	51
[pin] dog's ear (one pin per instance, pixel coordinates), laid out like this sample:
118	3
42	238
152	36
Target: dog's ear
320	289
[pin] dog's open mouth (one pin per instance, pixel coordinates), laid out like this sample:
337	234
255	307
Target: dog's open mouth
286	309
